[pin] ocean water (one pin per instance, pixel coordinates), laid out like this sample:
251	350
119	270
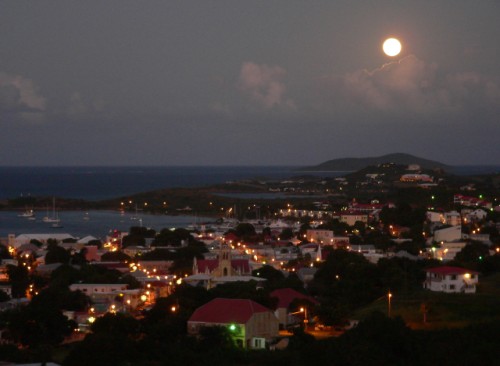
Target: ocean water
98	183
95	223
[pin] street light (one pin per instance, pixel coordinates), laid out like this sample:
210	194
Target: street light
389	295
304	310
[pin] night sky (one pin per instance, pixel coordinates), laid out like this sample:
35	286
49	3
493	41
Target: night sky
118	82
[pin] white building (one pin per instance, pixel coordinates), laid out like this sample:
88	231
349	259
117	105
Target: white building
448	234
351	217
435	217
93	288
452	218
448	250
17	241
476	215
451	280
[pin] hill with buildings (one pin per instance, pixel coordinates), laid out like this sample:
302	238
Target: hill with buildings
352	164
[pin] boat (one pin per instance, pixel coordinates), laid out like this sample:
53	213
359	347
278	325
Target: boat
56	225
28	213
86	216
54	218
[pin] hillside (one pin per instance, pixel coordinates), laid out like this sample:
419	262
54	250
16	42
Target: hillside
444	310
352	164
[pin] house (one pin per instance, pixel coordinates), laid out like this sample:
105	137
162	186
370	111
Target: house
350	217
451	280
285	297
250	324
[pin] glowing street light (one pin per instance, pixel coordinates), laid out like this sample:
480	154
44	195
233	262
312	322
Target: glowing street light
389	296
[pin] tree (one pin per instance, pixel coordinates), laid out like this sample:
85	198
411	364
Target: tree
472	254
347	278
286	234
215	337
378	340
118	256
19	279
57	254
245	230
4	296
41	322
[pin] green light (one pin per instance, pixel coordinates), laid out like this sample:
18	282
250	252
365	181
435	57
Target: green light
480	257
232	327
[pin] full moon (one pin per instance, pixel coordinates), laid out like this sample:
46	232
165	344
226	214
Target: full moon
391	47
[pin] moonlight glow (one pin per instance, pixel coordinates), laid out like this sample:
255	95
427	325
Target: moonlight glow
391	47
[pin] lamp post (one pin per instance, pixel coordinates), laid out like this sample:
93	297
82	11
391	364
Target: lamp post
304	310
389	295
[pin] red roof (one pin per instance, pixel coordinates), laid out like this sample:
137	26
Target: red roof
446	270
224	311
287	295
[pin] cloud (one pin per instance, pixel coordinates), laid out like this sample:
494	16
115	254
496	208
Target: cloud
418	87
19	94
19	99
264	84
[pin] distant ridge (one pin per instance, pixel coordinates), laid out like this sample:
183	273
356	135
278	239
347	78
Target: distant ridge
352	164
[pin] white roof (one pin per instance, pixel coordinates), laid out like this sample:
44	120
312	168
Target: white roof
58	236
86	239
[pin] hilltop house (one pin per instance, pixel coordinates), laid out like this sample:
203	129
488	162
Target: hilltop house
451	280
250	324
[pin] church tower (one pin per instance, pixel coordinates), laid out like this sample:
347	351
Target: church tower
225	268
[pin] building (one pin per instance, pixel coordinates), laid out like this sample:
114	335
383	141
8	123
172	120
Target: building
250	324
17	241
350	217
452	233
416	178
448	250
435	217
452	218
471	201
451	280
319	236
285	298
212	272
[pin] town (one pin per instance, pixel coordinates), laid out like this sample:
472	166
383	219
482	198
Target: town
306	268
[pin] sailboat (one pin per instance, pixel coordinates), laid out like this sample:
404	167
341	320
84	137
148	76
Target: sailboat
54	218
